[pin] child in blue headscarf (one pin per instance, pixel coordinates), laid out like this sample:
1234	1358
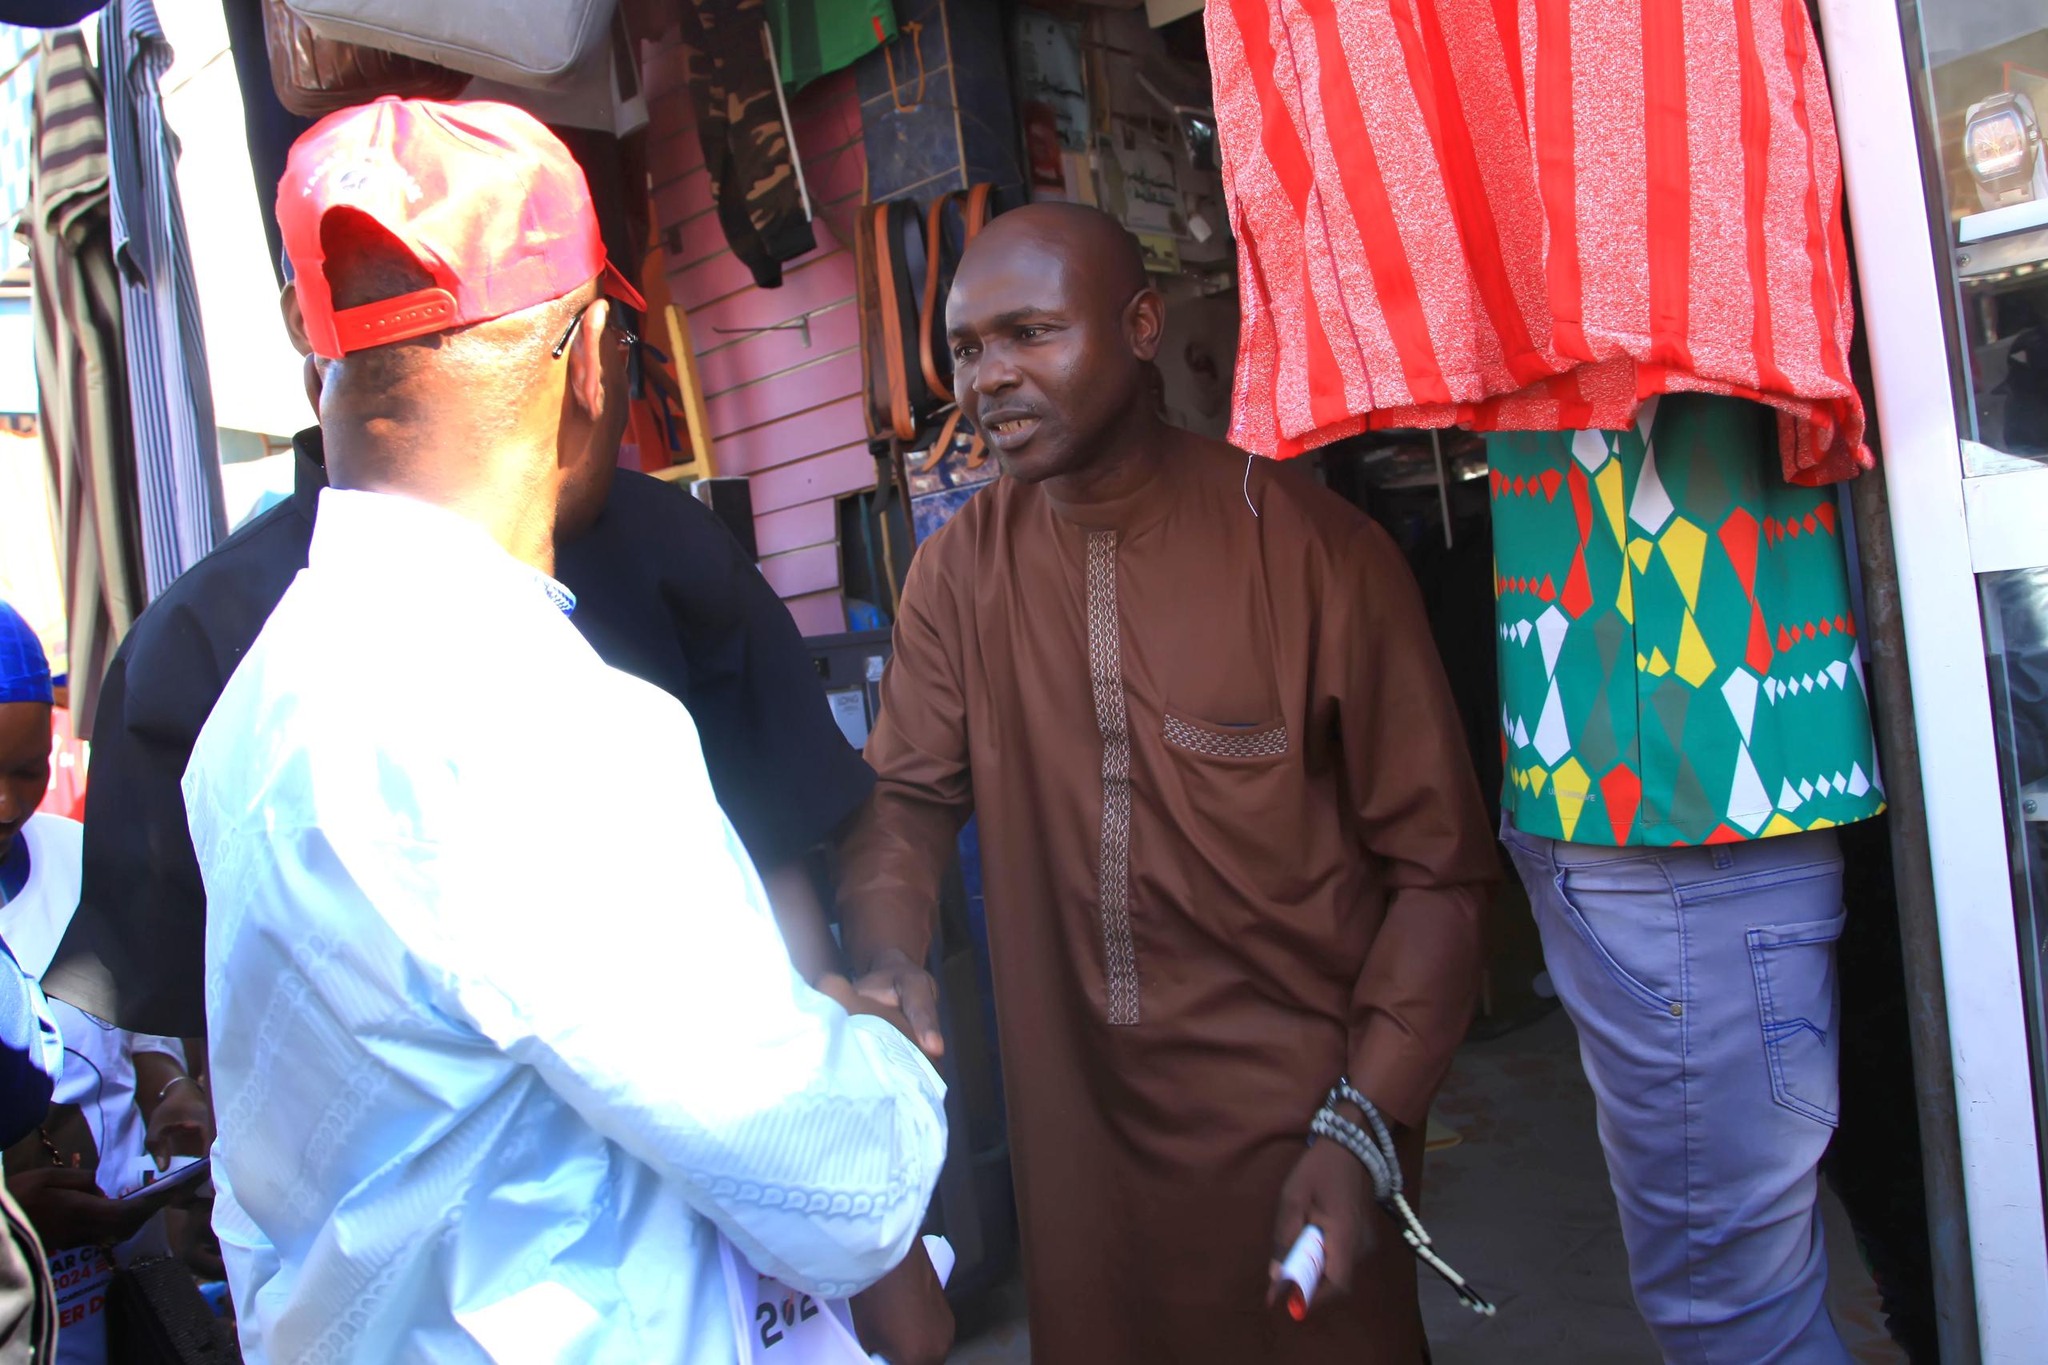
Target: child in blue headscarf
30	1053
120	1098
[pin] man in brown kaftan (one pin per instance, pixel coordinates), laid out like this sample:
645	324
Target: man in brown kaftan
1232	844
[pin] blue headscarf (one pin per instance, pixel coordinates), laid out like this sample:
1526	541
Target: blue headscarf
24	669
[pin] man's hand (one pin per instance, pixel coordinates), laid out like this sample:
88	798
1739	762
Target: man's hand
838	988
181	1125
1330	1188
905	1318
895	981
67	1210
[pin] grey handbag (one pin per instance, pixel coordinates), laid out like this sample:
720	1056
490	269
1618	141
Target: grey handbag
535	43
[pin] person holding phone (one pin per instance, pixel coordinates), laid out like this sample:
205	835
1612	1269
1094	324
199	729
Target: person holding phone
124	1106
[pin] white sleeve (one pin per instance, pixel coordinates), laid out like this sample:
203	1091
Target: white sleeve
170	1047
643	977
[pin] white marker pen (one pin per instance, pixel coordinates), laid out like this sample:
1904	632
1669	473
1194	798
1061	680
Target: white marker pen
1302	1271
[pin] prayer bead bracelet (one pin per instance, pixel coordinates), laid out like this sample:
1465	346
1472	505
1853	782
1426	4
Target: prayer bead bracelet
1375	1151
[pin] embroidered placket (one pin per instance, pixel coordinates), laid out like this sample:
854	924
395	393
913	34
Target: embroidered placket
1113	872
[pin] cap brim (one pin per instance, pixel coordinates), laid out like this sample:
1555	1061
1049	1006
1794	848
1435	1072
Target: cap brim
615	285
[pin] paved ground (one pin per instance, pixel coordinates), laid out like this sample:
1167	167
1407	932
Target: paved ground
1522	1206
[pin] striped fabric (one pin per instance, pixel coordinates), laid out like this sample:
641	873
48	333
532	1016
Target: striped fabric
170	394
1532	215
82	392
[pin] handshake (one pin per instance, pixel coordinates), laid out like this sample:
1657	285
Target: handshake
895	989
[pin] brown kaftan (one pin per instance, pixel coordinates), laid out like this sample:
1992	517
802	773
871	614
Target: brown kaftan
1232	847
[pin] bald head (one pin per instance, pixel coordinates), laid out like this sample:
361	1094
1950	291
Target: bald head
1053	325
1089	239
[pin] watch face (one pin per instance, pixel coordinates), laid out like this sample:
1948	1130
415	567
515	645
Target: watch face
2001	144
1996	145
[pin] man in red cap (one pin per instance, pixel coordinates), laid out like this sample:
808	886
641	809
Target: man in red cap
438	1138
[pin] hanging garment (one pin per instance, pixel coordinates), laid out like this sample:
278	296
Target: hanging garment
814	38
1533	217
748	148
80	367
170	393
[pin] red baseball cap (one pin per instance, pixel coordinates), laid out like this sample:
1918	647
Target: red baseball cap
484	196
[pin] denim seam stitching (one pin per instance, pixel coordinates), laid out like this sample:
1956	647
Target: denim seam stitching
1575	919
1692	1289
1774	876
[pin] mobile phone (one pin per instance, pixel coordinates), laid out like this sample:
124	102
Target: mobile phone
179	1179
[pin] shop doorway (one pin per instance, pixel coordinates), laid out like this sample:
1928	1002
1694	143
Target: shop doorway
1115	113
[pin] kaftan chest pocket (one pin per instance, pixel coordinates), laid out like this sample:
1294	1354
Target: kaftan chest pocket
1252	743
1238	796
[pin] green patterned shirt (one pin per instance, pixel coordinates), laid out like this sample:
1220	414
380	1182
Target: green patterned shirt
1678	657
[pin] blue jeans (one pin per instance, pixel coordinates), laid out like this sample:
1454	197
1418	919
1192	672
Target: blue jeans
1702	984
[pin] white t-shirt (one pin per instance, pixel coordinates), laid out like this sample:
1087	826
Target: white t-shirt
98	1077
33	923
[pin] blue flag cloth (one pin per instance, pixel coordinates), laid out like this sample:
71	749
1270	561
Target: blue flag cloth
24	670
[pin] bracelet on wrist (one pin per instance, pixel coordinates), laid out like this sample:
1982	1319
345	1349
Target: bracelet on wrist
1375	1151
181	1076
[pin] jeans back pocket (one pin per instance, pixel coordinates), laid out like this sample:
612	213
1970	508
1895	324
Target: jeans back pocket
1798	1007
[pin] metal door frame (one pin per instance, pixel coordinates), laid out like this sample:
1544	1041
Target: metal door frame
1940	547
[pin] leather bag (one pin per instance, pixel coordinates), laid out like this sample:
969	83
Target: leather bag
535	43
315	76
156	1316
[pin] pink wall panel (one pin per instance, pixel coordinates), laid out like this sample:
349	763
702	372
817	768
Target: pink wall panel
819	613
669	109
807	285
677	200
670	157
814	569
661	68
694	241
849	469
827	113
699	242
793	528
835	175
740	359
829	426
721	276
768	399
